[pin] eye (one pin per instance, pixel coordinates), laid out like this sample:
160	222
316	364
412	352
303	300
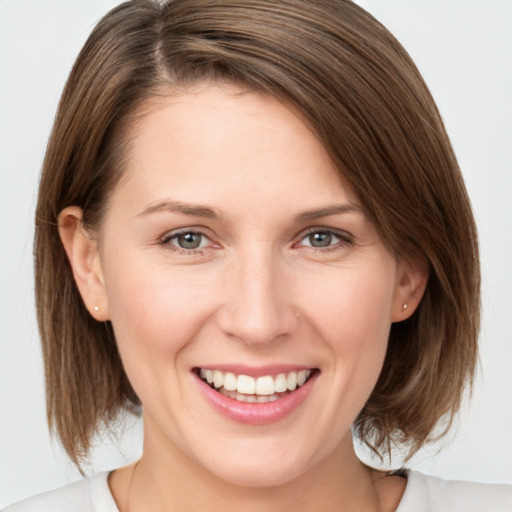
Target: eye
324	238
321	239
186	240
189	240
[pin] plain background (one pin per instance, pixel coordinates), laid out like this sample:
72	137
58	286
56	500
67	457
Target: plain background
464	50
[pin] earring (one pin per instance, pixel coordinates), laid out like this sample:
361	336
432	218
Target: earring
404	307
96	308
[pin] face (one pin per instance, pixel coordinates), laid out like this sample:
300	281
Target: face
233	251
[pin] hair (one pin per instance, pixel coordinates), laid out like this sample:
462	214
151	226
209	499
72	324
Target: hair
361	94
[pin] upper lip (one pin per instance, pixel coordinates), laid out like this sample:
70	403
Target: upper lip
255	371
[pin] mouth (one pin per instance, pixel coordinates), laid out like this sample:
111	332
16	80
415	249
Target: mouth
255	390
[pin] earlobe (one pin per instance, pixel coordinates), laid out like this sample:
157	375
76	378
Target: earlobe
82	252
412	279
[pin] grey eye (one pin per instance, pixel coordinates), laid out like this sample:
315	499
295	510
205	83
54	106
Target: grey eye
321	239
189	240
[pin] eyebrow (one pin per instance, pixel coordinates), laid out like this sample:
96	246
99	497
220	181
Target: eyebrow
334	209
195	210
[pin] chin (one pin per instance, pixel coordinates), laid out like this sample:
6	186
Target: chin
246	474
258	464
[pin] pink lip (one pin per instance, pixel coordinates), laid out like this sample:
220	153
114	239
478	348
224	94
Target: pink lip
256	371
256	413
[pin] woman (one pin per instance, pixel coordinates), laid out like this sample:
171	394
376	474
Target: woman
251	223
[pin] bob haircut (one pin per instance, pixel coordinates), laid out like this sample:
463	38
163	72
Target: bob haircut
360	93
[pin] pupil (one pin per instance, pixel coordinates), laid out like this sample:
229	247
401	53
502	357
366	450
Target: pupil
189	240
320	239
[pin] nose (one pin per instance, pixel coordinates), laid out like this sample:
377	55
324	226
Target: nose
257	306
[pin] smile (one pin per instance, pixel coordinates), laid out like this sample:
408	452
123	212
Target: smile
244	388
255	396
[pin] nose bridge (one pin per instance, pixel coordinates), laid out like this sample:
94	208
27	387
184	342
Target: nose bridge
257	309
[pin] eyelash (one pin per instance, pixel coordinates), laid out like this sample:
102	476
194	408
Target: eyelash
344	240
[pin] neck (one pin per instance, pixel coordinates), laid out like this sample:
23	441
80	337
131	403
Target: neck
172	481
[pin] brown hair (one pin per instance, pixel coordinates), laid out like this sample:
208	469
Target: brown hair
360	92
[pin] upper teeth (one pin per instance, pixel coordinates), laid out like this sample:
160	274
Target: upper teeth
265	385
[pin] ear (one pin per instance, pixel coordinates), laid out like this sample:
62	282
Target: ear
412	279
82	251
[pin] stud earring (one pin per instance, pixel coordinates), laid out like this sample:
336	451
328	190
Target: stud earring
96	308
404	307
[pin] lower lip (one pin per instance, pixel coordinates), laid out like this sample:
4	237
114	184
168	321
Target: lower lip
257	413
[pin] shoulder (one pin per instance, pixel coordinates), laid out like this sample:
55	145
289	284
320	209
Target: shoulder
431	494
88	495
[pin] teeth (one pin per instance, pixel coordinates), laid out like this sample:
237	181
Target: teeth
229	382
248	398
265	385
291	381
245	385
248	389
218	378
301	377
280	385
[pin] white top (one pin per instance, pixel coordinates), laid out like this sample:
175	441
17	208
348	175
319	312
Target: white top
422	494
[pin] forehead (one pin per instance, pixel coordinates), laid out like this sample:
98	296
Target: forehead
226	132
206	112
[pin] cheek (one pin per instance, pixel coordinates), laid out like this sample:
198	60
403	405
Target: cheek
352	306
351	313
156	314
156	309
354	322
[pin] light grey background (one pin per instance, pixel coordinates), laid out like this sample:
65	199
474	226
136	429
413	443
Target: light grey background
464	50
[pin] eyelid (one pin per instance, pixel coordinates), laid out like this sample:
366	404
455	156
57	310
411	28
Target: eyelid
197	228
169	235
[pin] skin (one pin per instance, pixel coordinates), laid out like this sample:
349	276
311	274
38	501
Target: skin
255	292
